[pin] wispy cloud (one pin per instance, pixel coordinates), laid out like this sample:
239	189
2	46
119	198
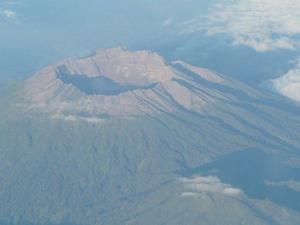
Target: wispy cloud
289	84
73	118
8	13
167	22
264	25
210	184
292	184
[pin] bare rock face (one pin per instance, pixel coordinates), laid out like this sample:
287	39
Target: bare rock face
204	73
122	66
117	82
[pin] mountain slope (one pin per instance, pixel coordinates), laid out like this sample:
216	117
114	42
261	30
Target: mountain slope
126	138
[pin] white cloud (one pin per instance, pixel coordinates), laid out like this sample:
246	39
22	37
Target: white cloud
7	13
73	118
210	184
264	25
289	84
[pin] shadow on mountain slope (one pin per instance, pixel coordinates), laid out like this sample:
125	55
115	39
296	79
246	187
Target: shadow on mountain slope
250	170
100	85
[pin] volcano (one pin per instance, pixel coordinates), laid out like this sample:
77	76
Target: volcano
123	137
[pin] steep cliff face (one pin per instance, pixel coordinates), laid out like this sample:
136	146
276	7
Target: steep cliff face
125	137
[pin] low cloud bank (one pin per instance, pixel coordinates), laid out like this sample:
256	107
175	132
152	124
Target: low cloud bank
264	25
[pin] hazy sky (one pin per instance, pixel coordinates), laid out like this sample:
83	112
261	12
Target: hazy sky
35	33
252	40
